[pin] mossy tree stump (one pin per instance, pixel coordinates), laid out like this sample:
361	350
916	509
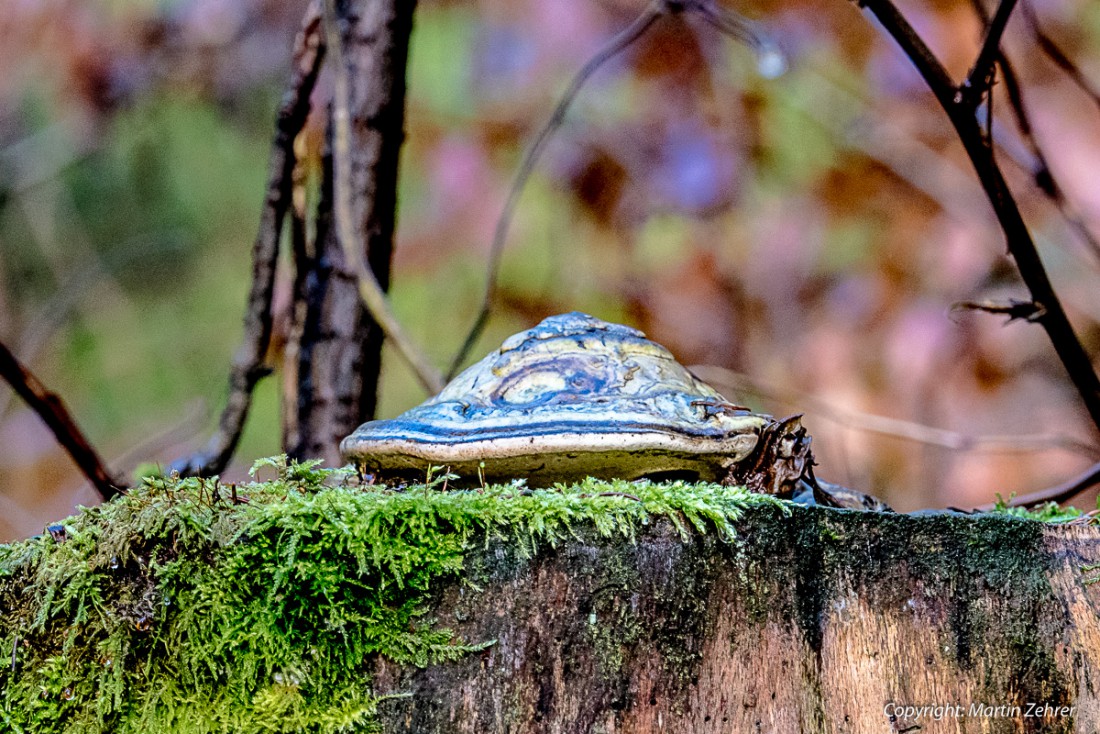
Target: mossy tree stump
814	621
595	608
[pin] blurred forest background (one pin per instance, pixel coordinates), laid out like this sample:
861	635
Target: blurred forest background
807	235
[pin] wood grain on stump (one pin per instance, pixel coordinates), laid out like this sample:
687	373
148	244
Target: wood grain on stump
816	621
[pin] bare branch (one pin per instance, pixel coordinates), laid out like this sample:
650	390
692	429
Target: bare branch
1040	170
1060	493
977	145
914	47
614	47
370	291
51	409
248	364
980	79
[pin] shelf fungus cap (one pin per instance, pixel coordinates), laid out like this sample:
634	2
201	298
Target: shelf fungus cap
572	397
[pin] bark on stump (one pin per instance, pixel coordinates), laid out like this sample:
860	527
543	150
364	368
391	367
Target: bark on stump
817	621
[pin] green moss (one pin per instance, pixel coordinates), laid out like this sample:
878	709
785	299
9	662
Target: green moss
1047	512
190	606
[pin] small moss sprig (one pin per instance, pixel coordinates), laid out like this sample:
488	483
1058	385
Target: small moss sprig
1050	512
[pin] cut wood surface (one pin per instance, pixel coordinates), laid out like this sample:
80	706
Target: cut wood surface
817	621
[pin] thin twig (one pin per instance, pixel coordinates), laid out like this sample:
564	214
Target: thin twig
1060	493
1059	57
918	164
248	363
614	47
769	58
738	382
980	79
73	289
370	291
1040	172
193	422
1059	330
51	409
914	47
770	61
1013	308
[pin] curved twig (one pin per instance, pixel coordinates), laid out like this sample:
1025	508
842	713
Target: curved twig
771	63
1040	170
1059	493
51	409
370	290
614	47
248	363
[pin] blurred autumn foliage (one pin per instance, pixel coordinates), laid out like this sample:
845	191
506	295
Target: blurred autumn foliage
804	237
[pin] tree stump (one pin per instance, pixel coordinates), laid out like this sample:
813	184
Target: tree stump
818	620
291	606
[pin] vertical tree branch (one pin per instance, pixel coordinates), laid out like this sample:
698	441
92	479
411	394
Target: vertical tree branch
978	148
301	258
53	413
248	363
370	291
340	353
